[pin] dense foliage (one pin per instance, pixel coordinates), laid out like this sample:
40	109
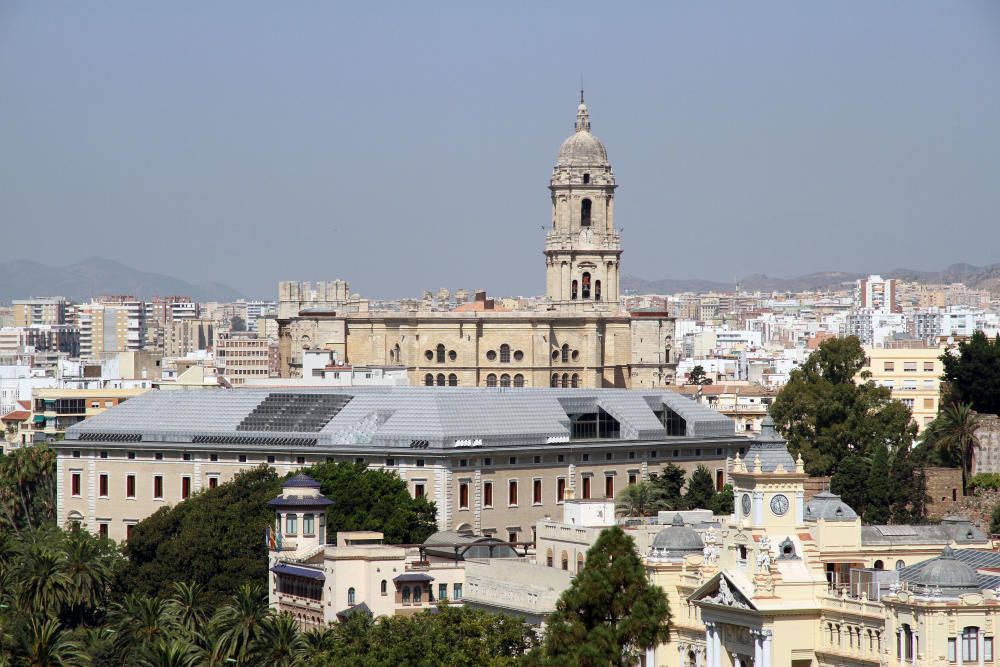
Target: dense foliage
446	636
215	538
698	376
27	489
953	437
827	417
665	491
984	480
610	614
973	375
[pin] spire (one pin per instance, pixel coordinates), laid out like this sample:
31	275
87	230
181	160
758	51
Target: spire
582	117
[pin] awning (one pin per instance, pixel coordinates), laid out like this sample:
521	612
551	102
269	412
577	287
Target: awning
39	419
410	577
297	571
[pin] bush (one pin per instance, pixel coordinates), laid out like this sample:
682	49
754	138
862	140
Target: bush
995	521
984	480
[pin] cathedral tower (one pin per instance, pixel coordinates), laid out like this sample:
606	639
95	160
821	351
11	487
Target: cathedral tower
583	248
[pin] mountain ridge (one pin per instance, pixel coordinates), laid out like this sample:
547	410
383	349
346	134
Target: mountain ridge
95	276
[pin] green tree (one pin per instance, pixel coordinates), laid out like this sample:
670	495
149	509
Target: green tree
995	520
850	482
701	489
698	376
240	624
237	323
723	502
954	432
611	612
280	642
907	488
643	498
27	489
878	496
973	375
670	482
44	643
827	418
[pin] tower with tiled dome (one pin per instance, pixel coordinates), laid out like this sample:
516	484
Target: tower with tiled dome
583	248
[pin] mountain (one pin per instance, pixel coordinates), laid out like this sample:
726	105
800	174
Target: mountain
980	277
20	279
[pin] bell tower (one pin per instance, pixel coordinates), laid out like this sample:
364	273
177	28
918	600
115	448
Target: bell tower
583	248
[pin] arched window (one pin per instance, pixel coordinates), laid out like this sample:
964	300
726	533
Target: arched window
574	381
399	357
385	587
879	565
597	290
440	379
418	593
428	380
554	382
586	179
573	291
350	596
505	354
565	352
504	380
491	380
440	353
585	292
565	561
585	213
392	356
452	380
518	380
900	565
565	380
579	563
406	595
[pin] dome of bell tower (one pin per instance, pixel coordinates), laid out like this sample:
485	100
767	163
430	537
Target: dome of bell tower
582	149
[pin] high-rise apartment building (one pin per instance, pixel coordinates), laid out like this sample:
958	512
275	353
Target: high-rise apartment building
240	355
39	311
184	336
113	324
877	293
912	374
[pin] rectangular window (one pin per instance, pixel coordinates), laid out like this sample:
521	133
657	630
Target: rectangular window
463	496
291	524
442	591
360	461
102	482
512	492
128	530
512	536
889	366
213	457
586	488
456	591
652	454
131	456
536	492
609	486
909	367
928	366
561	489
418	490
513	460
420	462
159	456
631	478
463	463
270	459
301	460
309	524
213	482
970	644
158	486
928	404
243	458
185	488
104	455
538	459
187	456
608	456
487	494
561	458
130	486
75	483
488	461
389	463
952	653
102	530
988	649
586	457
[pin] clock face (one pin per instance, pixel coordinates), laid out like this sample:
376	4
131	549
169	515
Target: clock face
745	503
779	504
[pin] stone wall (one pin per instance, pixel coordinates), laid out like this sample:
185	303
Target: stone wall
944	490
815	485
987	456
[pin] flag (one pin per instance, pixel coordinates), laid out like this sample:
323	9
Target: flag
277	541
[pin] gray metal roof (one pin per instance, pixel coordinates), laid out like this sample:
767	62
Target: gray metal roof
954	571
390	417
829	507
770	448
957	530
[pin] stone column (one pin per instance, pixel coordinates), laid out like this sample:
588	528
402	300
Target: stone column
980	637
758	647
799	508
717	647
902	653
766	634
758	508
710	643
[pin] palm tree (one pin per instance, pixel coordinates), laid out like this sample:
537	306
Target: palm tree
187	605
138	622
89	571
955	435
280	643
239	623
640	499
44	644
169	653
319	639
44	585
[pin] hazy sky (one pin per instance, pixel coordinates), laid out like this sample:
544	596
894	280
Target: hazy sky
408	146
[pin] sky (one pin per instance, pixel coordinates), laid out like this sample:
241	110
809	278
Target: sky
408	146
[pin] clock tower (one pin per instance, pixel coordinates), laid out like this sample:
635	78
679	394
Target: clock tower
769	485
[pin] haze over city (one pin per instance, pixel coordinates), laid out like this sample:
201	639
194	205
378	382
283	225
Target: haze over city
409	146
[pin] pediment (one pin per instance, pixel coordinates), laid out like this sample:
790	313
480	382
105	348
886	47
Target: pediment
721	591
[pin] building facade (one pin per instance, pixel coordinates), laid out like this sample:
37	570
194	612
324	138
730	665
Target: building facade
913	374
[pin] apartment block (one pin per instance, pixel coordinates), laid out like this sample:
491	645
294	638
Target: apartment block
913	375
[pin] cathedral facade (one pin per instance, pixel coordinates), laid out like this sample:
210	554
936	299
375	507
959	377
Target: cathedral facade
580	337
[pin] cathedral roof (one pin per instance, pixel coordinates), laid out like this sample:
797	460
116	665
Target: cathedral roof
582	149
